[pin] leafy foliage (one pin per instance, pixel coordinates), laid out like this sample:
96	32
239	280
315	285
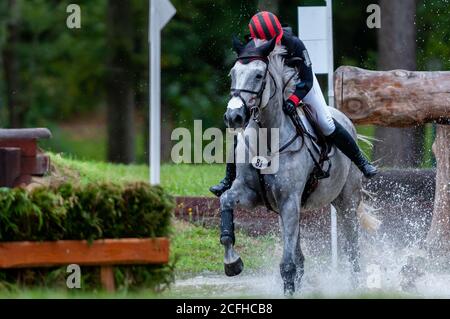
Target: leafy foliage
433	35
88	212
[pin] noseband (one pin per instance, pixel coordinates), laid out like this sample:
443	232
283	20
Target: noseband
255	110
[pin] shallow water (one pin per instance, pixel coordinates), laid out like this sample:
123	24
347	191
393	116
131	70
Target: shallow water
383	275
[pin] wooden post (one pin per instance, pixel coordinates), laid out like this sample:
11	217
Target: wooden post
30	162
107	278
438	239
9	165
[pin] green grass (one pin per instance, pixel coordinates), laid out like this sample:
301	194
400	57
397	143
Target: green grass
428	158
180	180
198	249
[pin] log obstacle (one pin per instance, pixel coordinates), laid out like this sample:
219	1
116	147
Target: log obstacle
20	157
402	98
393	98
105	253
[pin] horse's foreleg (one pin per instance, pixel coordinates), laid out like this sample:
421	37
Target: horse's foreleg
291	266
228	201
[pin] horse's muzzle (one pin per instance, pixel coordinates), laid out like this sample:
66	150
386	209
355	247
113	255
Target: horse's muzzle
235	118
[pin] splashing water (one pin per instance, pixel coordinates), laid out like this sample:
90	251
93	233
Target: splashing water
386	271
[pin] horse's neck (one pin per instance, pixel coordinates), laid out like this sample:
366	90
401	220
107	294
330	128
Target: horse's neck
273	117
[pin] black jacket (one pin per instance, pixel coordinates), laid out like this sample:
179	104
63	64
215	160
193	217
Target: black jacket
296	49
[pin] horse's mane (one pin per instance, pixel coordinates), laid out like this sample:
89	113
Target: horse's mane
282	73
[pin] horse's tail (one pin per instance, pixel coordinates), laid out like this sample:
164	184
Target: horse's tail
367	218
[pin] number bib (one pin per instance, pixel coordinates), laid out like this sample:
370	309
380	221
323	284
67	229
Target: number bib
260	162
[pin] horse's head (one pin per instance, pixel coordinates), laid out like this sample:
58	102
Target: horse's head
249	91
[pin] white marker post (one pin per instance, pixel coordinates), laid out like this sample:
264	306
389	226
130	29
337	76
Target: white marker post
161	12
315	29
315	26
330	53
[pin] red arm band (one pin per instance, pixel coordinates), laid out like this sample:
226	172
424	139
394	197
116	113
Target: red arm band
294	98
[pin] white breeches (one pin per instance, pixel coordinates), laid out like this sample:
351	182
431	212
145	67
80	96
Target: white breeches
319	109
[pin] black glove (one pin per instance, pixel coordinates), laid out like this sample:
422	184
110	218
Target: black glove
289	108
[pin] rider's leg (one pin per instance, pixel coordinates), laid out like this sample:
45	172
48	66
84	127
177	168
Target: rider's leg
319	109
336	132
345	142
230	176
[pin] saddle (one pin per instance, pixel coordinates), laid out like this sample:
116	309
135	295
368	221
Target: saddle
322	145
323	149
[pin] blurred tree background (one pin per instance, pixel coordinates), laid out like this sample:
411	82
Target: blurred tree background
90	85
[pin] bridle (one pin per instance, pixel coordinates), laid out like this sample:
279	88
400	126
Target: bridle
255	111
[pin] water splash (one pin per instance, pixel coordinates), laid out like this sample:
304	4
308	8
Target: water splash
387	271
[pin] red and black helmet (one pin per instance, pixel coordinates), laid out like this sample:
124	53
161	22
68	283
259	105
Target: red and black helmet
265	26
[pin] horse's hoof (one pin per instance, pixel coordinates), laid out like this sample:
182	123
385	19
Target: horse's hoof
289	289
235	268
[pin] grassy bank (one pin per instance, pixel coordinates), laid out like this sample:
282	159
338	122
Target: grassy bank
179	180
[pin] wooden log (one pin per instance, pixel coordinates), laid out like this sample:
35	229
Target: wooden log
99	253
25	134
438	239
395	98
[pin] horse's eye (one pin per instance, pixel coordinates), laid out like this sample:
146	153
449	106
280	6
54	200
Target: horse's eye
259	76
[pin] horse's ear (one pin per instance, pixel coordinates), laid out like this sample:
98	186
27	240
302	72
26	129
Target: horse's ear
267	47
238	46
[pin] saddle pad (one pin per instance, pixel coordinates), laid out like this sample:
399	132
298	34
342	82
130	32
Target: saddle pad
311	131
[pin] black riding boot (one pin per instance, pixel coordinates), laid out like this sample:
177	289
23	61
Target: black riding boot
225	184
345	142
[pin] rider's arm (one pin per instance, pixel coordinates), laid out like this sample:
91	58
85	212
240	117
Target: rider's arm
297	49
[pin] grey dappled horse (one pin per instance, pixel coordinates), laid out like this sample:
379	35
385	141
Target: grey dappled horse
258	83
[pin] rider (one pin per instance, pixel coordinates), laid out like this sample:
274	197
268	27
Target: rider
266	26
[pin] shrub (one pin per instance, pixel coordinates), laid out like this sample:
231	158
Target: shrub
86	212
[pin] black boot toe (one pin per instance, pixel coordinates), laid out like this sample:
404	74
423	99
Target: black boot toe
219	189
369	170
